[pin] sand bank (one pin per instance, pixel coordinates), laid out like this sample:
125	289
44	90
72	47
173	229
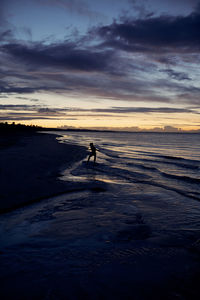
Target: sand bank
30	167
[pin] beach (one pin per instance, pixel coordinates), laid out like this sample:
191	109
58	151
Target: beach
30	165
124	228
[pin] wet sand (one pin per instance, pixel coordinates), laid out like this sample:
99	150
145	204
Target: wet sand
30	165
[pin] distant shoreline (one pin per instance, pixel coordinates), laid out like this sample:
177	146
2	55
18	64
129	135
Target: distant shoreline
118	131
9	128
30	165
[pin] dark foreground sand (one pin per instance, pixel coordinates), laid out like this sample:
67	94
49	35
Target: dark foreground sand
29	168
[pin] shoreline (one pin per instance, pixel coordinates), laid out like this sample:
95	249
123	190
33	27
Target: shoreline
30	167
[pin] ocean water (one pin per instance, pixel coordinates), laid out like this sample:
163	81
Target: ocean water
162	170
171	161
129	231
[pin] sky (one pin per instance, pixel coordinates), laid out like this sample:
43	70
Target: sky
128	65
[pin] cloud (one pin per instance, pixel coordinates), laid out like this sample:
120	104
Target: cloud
64	55
106	111
6	35
64	67
28	117
176	75
27	32
124	61
160	33
8	89
22	112
140	8
6	29
17	107
167	110
60	69
26	98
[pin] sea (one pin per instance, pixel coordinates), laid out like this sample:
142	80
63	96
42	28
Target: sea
130	229
170	160
159	173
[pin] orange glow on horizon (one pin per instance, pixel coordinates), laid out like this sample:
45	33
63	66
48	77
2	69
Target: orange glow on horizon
56	124
116	121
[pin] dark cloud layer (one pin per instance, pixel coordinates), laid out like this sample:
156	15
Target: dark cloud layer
155	32
115	109
63	55
144	110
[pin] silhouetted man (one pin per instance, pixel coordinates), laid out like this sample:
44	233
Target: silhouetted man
93	152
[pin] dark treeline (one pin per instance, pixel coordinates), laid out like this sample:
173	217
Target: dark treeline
11	128
10	134
20	128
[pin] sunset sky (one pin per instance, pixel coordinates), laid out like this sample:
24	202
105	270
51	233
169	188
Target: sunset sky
111	63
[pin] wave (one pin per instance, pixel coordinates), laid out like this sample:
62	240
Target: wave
151	167
151	158
170	157
178	164
137	177
186	161
181	178
189	194
102	171
141	166
109	153
171	176
111	172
